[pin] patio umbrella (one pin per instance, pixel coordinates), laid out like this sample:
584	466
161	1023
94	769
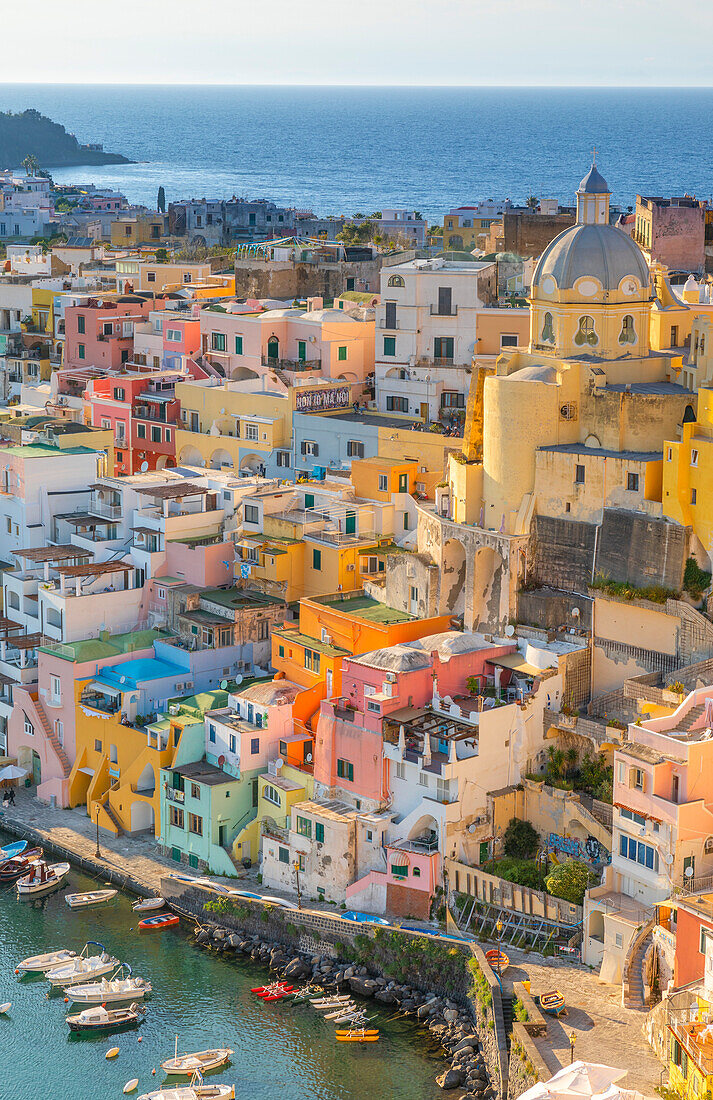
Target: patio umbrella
12	772
580	1080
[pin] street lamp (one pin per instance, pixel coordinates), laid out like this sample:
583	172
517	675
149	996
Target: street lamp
296	866
572	1041
499	930
98	854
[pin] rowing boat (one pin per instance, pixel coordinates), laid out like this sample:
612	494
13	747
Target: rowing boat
552	1002
184	1065
42	878
157	924
498	960
92	897
357	1035
83	967
195	1091
40	964
16	866
146	905
100	1019
14	849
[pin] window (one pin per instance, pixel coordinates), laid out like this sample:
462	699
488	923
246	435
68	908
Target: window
251	513
423	779
119	394
389	345
155	434
312	660
30	729
374	707
638	819
637	779
271	794
674	336
217	341
252	432
397	404
186	276
195	824
238	345
319	832
443	350
195	791
174	335
59	731
141	431
316	559
341	354
508	340
369	835
345	770
301	866
168	435
399	870
81	326
283	458
304	826
55	687
632	483
254	745
150	276
452	400
579	475
81	351
309	447
417	872
383	483
400	771
618	939
693	496
638	852
233	743
355	449
621	771
694	457
176	816
301	351
395	280
405	521
283	855
281	651
586	333
211	733
627	334
548	329
97	745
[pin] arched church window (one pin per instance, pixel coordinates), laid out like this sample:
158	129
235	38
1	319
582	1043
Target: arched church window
548	331
627	334
586	333
396	280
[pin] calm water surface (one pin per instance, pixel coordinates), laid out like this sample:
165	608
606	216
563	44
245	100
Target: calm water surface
343	150
281	1051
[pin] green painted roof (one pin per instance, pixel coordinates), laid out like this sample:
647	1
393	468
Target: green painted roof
311	643
363	607
94	649
44	450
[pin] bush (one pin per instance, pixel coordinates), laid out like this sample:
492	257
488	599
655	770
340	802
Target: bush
695	580
654	593
570	881
521	840
521	871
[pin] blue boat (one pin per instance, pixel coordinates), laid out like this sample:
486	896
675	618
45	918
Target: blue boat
363	918
12	850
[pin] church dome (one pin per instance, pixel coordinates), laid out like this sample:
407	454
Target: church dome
601	252
594	183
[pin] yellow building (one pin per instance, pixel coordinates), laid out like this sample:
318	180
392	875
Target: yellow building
145	229
688	475
467	228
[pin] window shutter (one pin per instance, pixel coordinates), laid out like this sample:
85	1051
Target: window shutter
303	447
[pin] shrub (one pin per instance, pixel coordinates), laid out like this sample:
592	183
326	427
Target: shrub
654	593
676	687
570	881
695	580
522	871
521	839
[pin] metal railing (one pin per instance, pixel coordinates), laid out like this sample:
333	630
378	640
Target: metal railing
383	324
437	311
292	364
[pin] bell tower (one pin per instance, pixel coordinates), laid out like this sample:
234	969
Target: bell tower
593	196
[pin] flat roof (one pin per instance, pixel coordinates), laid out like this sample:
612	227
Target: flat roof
239	597
203	772
94	569
363	607
170	492
603	452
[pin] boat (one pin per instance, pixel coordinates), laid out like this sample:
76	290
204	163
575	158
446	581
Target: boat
5	1008
146	905
98	1019
274	991
82	968
197	1090
39	964
14	849
122	986
157	924
93	897
131	1085
185	1065
42	878
306	992
17	866
358	1035
332	1014
113	1053
332	1002
552	1002
498	960
352	1020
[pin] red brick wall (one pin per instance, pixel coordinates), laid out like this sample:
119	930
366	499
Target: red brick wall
402	901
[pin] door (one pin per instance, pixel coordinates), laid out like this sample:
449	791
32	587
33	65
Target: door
254	793
674	788
273	348
350	523
424	410
223	836
390	320
403	483
301	350
689	869
329	683
36	769
484	854
443	349
444	301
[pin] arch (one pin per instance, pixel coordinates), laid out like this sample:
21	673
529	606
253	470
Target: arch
252	464
220	458
241	374
146	783
54	617
425	826
113	754
396	280
586	332
596	926
348	376
142	816
628	333
453	569
548	329
164	462
13	600
486	567
191	456
273	348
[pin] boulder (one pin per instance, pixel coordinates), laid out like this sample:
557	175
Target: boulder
296	968
467	1041
451	1079
203	936
450	1015
365	987
385	996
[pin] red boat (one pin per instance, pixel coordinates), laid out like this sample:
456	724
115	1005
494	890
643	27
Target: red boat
157	924
14	868
274	992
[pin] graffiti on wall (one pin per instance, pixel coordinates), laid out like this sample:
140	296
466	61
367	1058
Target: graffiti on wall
589	850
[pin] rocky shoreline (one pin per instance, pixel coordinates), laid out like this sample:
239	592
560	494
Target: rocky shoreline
450	1024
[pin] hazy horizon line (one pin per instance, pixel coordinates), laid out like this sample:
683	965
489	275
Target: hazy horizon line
345	84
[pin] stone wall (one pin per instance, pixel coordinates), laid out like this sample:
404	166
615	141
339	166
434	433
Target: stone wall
551	610
642	550
285	280
562	553
529	234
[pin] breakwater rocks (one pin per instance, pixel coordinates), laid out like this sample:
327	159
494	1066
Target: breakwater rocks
449	1023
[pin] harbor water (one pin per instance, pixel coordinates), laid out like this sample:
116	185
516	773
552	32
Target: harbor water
281	1050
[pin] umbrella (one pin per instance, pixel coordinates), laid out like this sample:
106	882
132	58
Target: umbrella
581	1079
12	772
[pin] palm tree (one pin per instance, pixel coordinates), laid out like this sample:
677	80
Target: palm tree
572	757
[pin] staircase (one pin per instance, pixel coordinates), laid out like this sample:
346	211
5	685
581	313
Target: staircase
106	806
689	719
635	996
52	738
508	1013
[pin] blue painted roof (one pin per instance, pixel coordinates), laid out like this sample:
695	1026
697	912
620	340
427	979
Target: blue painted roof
128	675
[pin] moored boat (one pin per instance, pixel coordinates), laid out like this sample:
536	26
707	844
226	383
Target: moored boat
498	960
99	1019
331	1002
14	849
146	905
205	1061
358	1035
82	968
157	924
42	878
552	1002
19	865
197	1090
122	986
92	897
40	964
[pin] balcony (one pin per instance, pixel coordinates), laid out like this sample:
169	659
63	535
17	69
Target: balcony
442	311
106	511
390	328
423	845
174	795
292	364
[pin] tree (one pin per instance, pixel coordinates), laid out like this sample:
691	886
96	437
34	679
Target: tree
161	201
532	202
571	756
31	164
521	839
570	881
357	234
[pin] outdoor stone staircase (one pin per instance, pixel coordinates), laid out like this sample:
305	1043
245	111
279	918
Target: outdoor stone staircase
52	738
108	810
634	991
689	719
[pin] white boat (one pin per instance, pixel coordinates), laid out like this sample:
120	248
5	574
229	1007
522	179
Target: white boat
6	1008
83	968
93	897
42	878
122	986
203	1061
40	964
197	1090
146	905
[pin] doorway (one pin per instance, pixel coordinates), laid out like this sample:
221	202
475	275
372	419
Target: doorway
273	348
36	769
350	523
223	836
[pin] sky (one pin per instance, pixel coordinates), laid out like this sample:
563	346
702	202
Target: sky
440	42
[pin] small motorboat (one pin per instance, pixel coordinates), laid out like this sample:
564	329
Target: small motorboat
82	968
146	905
14	849
185	1065
122	986
93	897
40	964
197	1090
358	1035
42	878
157	924
498	960
552	1002
100	1019
14	868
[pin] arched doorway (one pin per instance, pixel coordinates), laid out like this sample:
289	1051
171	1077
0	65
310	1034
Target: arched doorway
252	464
221	458
487	567
453	568
142	817
147	781
36	769
273	349
191	456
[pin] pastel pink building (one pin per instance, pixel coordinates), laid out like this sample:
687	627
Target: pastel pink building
141	409
100	331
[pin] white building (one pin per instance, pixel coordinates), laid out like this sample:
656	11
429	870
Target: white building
403	223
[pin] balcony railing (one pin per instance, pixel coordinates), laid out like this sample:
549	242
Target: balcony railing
106	511
292	364
383	324
440	311
174	795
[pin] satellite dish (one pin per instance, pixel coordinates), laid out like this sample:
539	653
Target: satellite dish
280	763
309	758
223	685
688	872
471	828
144	467
221	761
509	630
238	679
122	679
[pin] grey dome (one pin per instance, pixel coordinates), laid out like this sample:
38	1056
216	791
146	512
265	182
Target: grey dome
601	251
594	183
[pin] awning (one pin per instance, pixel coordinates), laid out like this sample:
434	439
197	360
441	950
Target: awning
517	663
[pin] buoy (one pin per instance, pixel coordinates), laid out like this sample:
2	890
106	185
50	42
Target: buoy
66	999
5	1008
131	1085
140	1039
153	1072
16	970
112	1053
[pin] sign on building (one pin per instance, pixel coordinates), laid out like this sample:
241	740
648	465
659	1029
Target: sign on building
320	400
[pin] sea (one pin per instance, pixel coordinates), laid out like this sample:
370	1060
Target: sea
343	150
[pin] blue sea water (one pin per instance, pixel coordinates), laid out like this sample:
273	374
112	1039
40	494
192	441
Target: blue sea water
340	150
